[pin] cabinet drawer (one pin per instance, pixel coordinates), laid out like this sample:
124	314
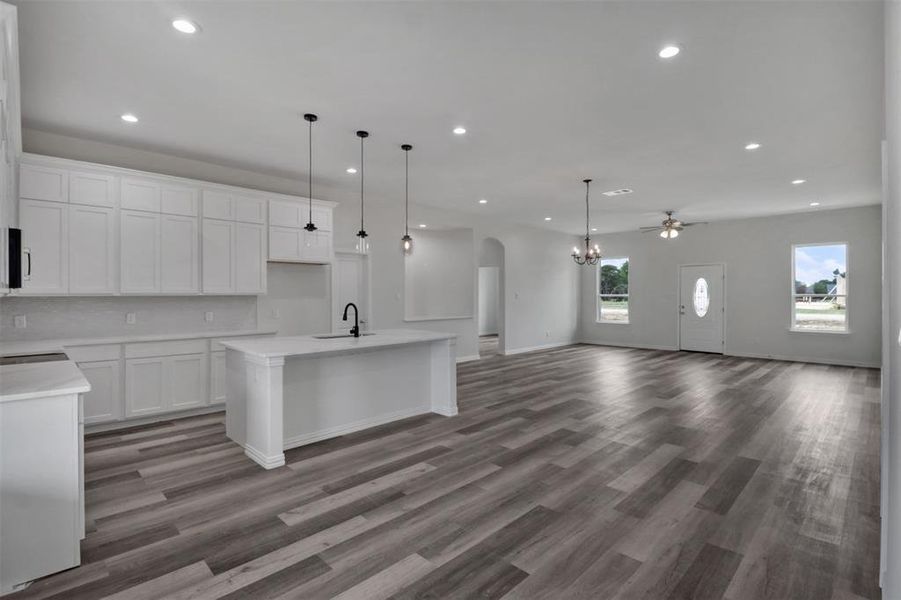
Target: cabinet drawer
43	183
93	353
218	205
178	201
149	349
250	210
93	189
138	194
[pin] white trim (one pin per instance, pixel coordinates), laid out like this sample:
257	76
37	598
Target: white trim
827	331
805	359
470	358
630	345
793	294
309	438
541	347
420	319
267	462
679	302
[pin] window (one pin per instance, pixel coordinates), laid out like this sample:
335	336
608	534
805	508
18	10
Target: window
820	287
700	298
613	290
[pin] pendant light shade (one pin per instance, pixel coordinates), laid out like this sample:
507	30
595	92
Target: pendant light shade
592	253
406	242
310	119
363	244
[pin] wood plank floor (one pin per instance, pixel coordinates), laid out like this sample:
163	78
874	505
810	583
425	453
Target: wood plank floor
578	472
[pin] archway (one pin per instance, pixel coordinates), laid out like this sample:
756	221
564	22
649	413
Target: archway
491	306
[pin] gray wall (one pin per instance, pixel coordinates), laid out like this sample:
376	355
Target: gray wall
757	254
891	376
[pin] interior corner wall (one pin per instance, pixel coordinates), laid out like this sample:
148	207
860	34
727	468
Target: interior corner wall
757	255
891	377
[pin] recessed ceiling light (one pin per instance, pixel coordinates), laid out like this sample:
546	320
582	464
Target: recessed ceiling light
814	203
668	51
422	225
351	170
459	130
594	228
752	146
483	201
547	218
129	118
184	26
798	181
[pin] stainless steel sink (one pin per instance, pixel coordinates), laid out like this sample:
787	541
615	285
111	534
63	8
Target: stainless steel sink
333	336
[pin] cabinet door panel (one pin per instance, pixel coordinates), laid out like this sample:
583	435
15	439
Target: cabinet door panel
92	250
218	205
250	258
285	243
218	261
179	260
187	379
317	246
43	183
144	386
287	214
140	252
44	242
217	377
250	210
322	218
178	201
94	189
138	194
103	402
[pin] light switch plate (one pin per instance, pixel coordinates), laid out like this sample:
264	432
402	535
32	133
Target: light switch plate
208	316
21	322
130	318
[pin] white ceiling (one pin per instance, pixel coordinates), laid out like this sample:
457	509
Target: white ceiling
550	93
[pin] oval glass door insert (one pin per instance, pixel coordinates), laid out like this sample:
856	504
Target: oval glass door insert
701	297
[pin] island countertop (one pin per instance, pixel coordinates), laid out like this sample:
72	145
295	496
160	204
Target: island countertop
310	346
40	380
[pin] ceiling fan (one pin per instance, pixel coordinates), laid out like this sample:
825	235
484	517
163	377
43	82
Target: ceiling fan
671	226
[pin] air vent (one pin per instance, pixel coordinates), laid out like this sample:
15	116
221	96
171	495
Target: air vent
618	192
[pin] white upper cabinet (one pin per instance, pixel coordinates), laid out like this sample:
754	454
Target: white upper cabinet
287	214
92	189
140	194
140	252
43	183
250	258
218	257
218	205
177	200
45	239
290	242
250	210
179	255
93	250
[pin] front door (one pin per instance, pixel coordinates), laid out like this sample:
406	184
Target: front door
702	308
349	286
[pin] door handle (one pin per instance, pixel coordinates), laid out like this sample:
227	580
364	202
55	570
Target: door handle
682	309
27	253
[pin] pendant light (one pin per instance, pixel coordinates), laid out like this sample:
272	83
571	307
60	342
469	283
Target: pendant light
406	242
362	245
310	119
592	253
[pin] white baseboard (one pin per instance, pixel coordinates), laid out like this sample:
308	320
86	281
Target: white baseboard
317	436
169	416
267	462
806	359
536	348
638	346
470	358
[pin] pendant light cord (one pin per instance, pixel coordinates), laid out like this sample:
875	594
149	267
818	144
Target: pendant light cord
362	172
310	176
407	192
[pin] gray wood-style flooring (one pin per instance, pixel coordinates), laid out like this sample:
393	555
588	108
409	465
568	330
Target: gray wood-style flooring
578	472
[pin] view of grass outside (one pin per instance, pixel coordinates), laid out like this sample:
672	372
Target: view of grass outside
820	294
613	290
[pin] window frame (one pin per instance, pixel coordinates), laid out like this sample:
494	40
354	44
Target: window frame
792	315
598	296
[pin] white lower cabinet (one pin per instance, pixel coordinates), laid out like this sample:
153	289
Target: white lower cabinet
187	379
103	403
144	386
217	378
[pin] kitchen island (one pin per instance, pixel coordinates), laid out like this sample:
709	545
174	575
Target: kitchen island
284	392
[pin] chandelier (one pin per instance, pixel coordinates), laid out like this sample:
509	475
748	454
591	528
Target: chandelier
592	254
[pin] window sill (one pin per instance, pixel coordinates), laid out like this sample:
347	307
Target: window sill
600	322
826	331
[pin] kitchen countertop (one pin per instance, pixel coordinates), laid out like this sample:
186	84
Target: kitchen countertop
57	345
40	380
310	346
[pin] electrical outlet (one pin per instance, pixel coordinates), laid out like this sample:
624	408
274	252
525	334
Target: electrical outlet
276	313
21	322
208	316
547	334
130	318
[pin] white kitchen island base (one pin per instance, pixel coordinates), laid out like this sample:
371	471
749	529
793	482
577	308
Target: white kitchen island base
285	392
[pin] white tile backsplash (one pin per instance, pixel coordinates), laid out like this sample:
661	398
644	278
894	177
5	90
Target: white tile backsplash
59	318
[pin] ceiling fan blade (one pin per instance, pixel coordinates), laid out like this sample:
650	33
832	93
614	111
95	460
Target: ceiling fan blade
694	223
652	230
